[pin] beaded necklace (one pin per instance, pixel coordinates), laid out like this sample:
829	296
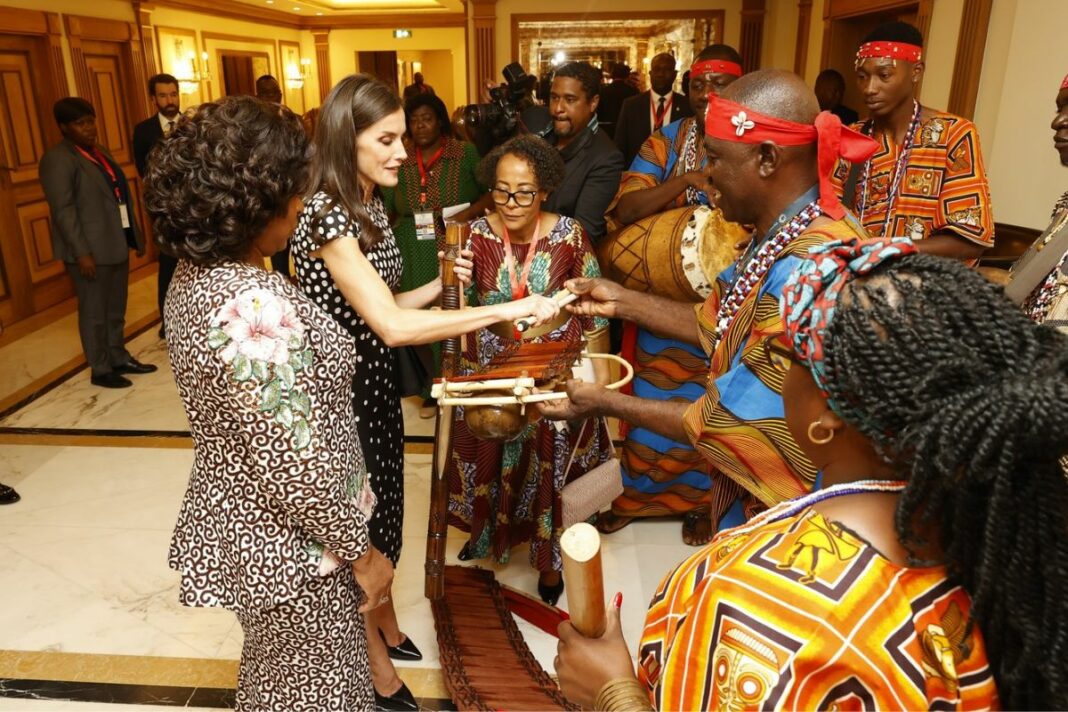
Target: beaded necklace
794	506
691	162
758	265
899	170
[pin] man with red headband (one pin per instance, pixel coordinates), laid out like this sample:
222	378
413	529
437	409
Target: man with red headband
771	153
662	477
927	181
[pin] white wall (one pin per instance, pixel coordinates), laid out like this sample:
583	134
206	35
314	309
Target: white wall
1026	59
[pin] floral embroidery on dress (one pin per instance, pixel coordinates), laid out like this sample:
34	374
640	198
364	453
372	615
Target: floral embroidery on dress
260	336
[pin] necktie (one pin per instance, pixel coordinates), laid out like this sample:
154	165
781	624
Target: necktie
659	115
170	127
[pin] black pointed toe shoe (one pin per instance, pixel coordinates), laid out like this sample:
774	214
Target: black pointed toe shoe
551	594
400	701
405	651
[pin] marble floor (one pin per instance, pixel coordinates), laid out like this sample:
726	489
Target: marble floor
89	617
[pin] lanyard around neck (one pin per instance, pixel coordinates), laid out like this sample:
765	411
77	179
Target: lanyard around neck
103	163
424	168
519	283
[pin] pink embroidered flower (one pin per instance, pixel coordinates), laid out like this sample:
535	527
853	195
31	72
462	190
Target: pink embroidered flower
261	326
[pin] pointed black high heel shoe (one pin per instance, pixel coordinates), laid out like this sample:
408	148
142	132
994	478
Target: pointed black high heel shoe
405	651
465	553
400	701
551	594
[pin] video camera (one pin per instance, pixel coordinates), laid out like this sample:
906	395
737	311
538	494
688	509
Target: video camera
492	123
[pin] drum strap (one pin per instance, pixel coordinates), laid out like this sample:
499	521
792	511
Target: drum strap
849	189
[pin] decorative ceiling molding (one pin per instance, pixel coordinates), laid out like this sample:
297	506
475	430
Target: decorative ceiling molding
420	17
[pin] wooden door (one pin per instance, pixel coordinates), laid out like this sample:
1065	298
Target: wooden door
381	65
30	278
111	86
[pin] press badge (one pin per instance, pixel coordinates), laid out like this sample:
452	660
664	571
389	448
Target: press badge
424	226
124	216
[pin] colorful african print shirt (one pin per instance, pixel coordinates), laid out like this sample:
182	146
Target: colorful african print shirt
801	613
944	187
673	150
738	423
1048	303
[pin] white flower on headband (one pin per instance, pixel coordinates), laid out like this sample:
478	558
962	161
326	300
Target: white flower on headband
741	123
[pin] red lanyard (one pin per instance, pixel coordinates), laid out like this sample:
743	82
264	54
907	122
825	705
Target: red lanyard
424	168
106	165
660	112
519	285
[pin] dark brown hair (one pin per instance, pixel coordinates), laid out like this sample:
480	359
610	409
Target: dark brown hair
354	104
223	175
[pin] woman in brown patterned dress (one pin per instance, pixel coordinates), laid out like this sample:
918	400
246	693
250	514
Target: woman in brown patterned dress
274	521
508	493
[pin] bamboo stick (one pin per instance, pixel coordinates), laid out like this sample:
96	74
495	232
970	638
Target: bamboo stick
580	545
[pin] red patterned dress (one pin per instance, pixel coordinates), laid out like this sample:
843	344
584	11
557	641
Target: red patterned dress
506	494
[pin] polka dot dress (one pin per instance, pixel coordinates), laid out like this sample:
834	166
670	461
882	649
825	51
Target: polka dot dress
379	423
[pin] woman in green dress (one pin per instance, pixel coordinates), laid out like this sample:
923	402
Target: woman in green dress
438	173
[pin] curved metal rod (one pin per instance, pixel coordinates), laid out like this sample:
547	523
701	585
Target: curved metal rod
535	397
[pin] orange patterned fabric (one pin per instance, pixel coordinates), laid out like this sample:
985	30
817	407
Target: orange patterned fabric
944	188
800	613
738	424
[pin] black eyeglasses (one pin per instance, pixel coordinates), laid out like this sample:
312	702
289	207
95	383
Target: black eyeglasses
522	198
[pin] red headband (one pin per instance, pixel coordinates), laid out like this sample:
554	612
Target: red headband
890	50
729	121
717	66
1064	82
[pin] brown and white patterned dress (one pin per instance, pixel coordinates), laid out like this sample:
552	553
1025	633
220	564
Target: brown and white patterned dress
278	500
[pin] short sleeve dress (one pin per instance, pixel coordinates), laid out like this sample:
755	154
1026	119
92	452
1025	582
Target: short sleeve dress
375	399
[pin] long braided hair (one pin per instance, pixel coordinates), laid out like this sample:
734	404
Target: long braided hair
969	399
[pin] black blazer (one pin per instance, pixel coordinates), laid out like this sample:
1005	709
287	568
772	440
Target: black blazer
145	136
593	167
634	125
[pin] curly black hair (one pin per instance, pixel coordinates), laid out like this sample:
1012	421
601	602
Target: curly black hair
219	178
968	399
435	104
542	158
587	74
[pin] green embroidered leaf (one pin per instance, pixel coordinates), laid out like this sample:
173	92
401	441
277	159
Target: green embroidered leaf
309	358
296	361
217	338
285	374
271	396
259	370
301	434
284	416
314	548
294	342
242	368
300	402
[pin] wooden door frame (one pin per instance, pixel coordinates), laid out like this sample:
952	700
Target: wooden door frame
127	35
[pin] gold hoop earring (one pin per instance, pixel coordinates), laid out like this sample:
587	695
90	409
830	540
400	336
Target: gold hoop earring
819	441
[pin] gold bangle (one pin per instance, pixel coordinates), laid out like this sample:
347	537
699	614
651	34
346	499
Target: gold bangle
624	694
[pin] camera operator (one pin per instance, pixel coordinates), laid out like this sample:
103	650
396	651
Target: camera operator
593	164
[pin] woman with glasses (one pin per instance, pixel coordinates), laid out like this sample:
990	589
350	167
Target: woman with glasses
508	493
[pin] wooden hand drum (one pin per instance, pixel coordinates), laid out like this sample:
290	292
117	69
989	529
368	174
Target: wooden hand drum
675	254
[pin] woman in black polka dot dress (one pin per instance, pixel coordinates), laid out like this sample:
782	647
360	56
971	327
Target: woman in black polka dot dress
348	262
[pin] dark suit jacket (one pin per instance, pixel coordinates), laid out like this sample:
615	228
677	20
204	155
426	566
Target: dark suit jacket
634	125
612	98
85	216
145	136
593	167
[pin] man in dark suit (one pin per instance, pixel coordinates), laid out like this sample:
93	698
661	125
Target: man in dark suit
830	88
93	230
592	163
612	98
651	110
163	89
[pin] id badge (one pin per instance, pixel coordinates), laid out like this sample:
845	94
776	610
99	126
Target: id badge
424	226
124	216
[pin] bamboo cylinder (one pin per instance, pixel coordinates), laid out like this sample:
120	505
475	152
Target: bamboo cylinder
580	545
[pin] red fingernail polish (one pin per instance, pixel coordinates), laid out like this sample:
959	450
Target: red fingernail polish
617	600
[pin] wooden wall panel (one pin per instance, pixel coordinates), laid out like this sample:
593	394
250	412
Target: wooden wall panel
35	230
20	127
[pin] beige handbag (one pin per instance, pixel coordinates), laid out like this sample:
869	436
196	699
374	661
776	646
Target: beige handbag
586	495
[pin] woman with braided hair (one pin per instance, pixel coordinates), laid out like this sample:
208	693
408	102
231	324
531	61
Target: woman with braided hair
930	570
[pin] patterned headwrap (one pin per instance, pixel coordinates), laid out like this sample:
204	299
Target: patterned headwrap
889	50
811	294
715	66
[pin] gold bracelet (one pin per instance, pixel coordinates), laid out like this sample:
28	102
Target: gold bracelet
624	694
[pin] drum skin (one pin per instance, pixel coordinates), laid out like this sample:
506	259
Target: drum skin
675	254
